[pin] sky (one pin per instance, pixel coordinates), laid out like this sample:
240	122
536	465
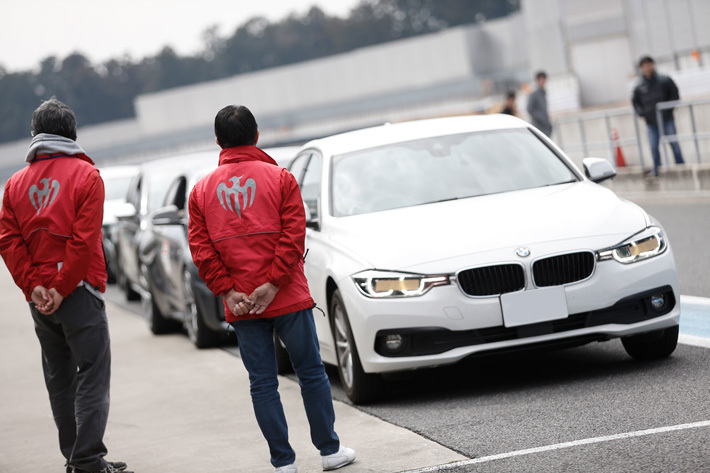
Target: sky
31	30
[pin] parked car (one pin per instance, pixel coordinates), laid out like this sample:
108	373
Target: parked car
435	240
177	292
145	194
117	180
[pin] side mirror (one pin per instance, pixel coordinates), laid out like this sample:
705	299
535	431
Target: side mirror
311	220
125	211
598	169
166	216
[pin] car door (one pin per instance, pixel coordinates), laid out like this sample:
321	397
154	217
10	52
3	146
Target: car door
128	228
308	171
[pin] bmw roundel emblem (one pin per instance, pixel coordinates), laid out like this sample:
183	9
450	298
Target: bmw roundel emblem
522	252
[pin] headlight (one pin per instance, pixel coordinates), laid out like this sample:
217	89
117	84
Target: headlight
380	284
641	246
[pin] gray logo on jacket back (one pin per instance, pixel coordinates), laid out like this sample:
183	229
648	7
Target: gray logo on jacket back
43	198
247	191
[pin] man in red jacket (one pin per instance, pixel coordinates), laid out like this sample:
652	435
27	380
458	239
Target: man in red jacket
247	234
50	239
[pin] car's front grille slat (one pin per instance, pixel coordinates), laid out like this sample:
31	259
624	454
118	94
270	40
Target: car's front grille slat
563	269
492	280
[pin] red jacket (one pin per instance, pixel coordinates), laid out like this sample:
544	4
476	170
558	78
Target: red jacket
247	227
51	213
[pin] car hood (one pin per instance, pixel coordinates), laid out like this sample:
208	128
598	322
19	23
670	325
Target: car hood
407	237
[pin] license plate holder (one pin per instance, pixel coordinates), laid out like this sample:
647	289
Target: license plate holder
534	306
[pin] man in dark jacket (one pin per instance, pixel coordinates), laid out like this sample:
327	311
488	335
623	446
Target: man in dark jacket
652	89
537	105
247	236
50	239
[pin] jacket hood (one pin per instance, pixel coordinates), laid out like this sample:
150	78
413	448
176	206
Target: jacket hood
47	143
244	153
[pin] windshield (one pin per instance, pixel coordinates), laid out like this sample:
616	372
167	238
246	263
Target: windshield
117	187
442	168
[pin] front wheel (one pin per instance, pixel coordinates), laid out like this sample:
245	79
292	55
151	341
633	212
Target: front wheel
197	330
652	345
360	387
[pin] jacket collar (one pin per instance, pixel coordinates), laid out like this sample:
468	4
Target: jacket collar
244	153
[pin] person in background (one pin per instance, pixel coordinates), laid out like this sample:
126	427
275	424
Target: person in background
652	89
537	105
510	107
247	236
50	239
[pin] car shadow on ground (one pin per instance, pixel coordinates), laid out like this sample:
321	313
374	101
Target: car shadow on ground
486	376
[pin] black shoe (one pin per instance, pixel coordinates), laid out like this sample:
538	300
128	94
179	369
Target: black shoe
112	467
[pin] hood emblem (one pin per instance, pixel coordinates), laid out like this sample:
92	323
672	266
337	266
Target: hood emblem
522	252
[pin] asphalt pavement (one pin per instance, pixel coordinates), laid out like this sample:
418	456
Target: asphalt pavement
175	409
586	409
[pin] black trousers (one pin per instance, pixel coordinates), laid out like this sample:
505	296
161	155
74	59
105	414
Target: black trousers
76	359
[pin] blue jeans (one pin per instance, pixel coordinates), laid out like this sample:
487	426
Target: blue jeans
654	138
256	346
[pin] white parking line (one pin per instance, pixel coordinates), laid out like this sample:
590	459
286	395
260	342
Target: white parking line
548	448
693	340
695	300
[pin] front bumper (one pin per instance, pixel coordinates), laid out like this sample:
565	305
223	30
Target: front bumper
447	326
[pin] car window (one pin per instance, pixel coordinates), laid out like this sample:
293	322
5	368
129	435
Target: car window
443	168
116	188
176	193
134	194
310	186
298	165
159	181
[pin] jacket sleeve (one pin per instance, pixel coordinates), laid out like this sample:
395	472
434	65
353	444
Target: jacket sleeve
291	243
14	250
85	231
636	101
210	266
672	90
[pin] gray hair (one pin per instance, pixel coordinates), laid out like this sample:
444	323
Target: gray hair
54	117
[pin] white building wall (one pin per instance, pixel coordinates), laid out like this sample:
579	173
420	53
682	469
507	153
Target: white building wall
393	67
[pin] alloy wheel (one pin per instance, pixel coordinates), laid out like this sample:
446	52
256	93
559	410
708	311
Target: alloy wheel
343	346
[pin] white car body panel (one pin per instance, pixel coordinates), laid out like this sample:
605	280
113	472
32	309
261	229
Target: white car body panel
438	238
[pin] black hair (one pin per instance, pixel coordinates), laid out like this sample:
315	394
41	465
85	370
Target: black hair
54	117
646	59
540	74
235	125
510	95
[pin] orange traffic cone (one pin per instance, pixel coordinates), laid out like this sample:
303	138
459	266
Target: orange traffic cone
620	161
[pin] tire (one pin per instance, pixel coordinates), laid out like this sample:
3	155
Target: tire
283	360
125	285
197	330
157	322
360	387
652	345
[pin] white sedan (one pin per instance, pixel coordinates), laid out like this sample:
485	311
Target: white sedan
435	240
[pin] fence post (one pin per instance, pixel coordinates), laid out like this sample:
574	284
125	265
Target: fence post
661	137
583	136
695	132
638	138
607	120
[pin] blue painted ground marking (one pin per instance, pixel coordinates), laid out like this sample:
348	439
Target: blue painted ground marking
695	316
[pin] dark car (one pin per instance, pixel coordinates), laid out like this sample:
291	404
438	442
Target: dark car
146	193
177	292
117	180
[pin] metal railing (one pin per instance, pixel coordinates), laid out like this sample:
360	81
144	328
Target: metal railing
609	143
583	126
695	136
